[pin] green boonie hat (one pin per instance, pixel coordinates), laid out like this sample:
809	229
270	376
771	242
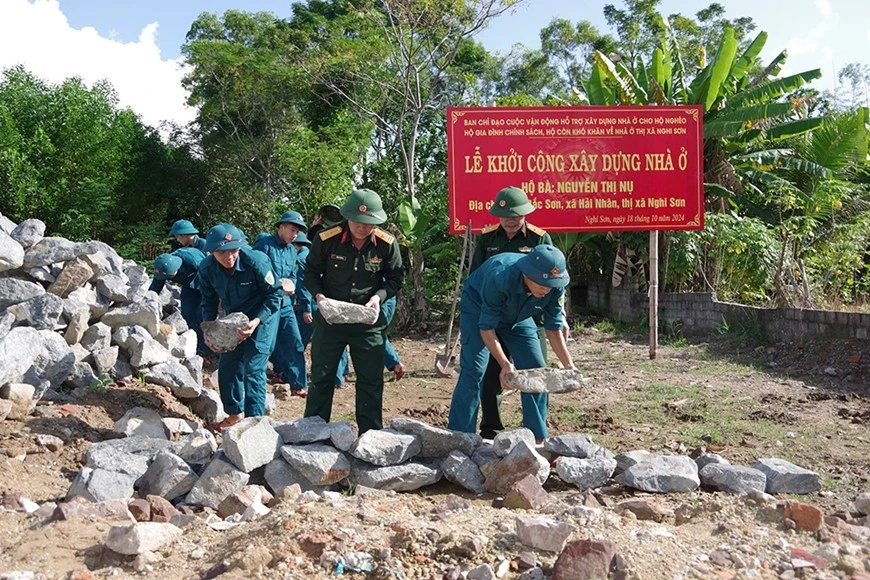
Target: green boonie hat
292	217
545	265
364	206
511	202
182	228
166	266
224	237
330	215
301	238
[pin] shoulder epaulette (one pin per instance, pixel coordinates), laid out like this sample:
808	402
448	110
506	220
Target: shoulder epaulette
535	229
490	229
330	233
386	236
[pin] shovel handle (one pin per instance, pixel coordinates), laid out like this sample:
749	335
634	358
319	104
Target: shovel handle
466	242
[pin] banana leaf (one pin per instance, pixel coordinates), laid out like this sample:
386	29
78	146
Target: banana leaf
770	90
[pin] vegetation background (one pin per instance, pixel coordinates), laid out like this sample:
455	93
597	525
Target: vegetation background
295	112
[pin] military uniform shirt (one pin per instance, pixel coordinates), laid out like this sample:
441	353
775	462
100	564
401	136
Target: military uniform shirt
188	273
493	241
336	269
283	258
496	290
303	296
252	288
199	243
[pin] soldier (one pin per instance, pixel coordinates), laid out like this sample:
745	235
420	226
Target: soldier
498	302
186	235
241	279
289	348
182	267
360	263
326	217
512	234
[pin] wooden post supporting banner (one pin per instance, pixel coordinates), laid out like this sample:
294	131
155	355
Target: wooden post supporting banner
653	293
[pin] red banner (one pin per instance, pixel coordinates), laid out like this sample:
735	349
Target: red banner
584	168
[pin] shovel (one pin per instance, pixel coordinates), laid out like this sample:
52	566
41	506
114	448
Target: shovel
443	367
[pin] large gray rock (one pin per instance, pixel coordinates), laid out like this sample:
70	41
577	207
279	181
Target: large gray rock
280	475
342	435
732	478
104	360
82	375
144	313
587	473
101	484
629	458
11	253
208	406
461	470
13	291
20	396
572	445
168	476
436	442
662	474
139	282
385	447
405	477
545	380
219	479
49	251
222	334
320	464
543	533
114	287
251	443
107	254
41	313
304	430
785	477
52	364
141	422
523	460
338	312
130	455
89	297
504	442
174	375
198	447
6	224
77	325
28	232
18	349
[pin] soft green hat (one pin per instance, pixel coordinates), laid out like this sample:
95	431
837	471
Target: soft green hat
511	202
292	217
166	266
330	215
545	265
182	228
364	206
224	237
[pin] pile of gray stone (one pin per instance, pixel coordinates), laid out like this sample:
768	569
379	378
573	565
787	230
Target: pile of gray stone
75	314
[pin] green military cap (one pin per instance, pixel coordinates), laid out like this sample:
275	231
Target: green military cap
330	215
292	217
364	206
301	238
545	265
166	266
182	228
224	237
511	202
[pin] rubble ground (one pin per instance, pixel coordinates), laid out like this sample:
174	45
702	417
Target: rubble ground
807	403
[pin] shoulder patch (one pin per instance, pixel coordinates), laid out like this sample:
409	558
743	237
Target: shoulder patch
535	229
269	278
489	229
386	236
330	233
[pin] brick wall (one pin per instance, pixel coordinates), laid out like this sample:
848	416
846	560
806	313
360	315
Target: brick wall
700	313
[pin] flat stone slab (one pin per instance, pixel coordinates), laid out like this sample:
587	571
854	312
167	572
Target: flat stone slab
222	334
338	312
786	477
545	380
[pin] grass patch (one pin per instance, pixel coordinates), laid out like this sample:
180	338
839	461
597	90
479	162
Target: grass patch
696	414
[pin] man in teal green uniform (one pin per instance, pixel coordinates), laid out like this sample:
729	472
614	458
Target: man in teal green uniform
512	234
182	267
289	349
186	235
357	262
498	302
241	279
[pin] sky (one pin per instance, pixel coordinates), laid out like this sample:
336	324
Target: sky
136	44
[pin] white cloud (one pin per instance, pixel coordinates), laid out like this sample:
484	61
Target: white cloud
824	8
37	35
809	42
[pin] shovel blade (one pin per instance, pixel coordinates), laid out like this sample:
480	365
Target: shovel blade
443	367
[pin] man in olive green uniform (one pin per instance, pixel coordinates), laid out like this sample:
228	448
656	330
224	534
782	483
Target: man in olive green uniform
512	234
354	261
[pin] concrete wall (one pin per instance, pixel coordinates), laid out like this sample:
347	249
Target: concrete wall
700	313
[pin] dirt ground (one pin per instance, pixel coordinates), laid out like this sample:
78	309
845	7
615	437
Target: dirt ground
808	403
